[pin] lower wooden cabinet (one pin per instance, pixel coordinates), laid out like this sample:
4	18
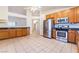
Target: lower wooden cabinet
12	33
72	36
19	32
24	32
77	40
28	31
4	33
54	33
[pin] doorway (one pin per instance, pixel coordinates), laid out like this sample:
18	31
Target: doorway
36	26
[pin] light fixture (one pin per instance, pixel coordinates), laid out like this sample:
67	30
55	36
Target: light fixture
34	8
35	21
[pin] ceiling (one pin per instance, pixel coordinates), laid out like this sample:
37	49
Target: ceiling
22	9
47	8
17	9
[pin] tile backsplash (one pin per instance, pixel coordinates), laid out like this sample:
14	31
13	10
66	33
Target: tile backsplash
74	25
70	25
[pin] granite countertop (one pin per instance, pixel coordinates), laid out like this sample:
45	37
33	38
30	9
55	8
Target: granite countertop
70	28
12	27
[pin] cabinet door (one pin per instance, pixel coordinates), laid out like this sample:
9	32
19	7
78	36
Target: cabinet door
59	15
48	16
4	33
54	33
72	36
77	40
65	13
19	32
55	18
72	15
28	31
12	33
77	12
24	31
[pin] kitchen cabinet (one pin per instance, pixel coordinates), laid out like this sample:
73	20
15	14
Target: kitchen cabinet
19	32
59	14
65	13
77	40
72	36
77	14
24	31
54	33
12	32
54	18
52	15
28	31
4	33
72	15
48	16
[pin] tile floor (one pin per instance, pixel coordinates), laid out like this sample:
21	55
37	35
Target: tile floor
35	44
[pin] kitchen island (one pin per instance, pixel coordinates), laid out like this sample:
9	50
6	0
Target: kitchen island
12	32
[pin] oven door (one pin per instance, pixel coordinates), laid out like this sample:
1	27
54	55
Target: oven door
61	35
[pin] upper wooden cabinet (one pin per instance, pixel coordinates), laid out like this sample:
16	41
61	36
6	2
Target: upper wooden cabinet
65	13
70	13
72	36
47	16
59	14
77	14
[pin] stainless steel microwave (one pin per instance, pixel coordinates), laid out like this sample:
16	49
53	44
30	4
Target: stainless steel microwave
62	20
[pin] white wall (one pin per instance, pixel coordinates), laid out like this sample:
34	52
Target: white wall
4	15
29	20
42	18
4	12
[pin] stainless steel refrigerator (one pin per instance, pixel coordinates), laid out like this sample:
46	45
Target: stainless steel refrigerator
47	28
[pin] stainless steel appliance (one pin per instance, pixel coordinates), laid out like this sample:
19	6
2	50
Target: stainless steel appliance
61	35
62	32
47	28
62	20
62	29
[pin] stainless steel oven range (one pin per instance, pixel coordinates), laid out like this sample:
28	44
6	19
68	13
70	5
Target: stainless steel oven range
61	35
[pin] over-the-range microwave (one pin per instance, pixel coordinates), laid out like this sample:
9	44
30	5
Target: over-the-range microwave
62	20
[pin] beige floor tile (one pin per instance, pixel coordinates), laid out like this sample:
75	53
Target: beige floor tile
35	44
